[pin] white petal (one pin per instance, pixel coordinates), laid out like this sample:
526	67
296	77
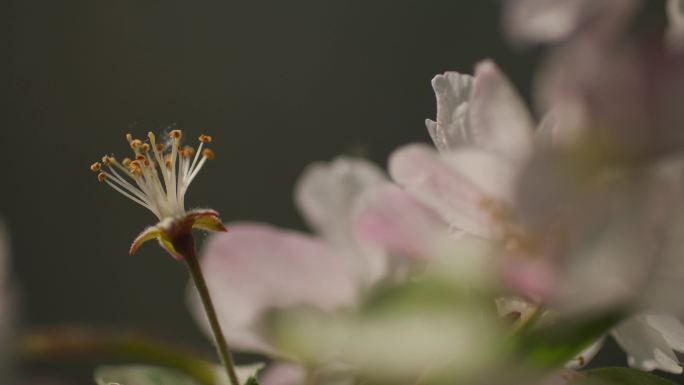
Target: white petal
436	184
499	117
452	128
675	31
254	268
646	347
669	327
326	194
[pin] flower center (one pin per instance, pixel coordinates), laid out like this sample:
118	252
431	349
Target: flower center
156	178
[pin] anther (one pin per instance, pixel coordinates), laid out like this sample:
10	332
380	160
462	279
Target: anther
107	159
176	134
126	162
205	138
95	167
140	157
207	153
188	151
135	143
145	147
101	177
160	147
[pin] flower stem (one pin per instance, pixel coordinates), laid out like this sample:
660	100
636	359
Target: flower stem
187	248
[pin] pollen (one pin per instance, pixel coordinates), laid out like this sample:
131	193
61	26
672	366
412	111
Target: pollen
208	154
205	138
101	177
188	152
175	134
95	167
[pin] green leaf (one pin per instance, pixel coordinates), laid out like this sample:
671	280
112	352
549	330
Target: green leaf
157	375
252	381
141	375
558	343
620	376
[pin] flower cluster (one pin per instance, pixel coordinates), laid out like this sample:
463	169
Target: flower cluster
505	253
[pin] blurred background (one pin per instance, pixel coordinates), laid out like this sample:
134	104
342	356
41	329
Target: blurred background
278	84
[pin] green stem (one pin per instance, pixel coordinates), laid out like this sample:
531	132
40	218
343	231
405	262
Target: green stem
195	270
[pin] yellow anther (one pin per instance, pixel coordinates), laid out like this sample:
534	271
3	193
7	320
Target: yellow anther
101	177
160	147
175	134
95	167
140	158
188	151
205	138
135	143
126	162
107	159
145	147
207	153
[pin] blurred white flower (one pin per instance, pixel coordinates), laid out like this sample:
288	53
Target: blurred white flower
650	339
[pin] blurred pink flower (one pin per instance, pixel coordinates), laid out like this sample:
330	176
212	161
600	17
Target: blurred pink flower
573	237
675	32
256	268
549	21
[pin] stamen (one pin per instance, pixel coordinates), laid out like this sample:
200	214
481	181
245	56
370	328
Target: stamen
164	195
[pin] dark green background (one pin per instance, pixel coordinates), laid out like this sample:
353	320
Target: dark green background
277	83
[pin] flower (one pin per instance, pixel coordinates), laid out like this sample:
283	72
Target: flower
256	268
569	236
158	178
550	21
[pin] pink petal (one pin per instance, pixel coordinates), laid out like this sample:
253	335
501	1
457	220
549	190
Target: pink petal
675	31
257	267
422	173
546	21
457	186
394	221
499	117
326	193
